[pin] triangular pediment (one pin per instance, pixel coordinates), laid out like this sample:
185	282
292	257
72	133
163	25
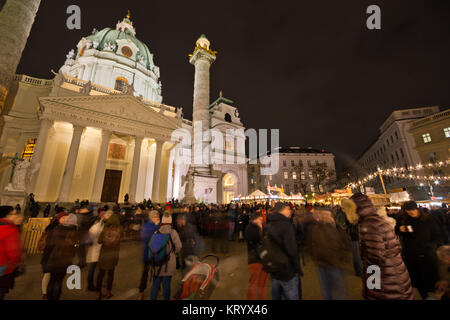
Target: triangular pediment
126	107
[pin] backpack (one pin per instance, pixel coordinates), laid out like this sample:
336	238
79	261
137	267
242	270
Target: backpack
271	255
158	254
111	236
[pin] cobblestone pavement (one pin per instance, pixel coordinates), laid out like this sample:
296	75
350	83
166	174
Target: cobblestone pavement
232	285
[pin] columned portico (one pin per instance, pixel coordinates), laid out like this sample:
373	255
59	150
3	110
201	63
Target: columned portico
135	169
157	170
70	164
41	142
101	166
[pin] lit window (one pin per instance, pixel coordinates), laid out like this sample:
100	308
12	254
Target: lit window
426	138
286	175
29	149
229	146
294	175
302	175
447	132
270	177
312	188
121	83
321	188
311	175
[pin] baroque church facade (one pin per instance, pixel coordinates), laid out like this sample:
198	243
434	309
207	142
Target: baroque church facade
100	130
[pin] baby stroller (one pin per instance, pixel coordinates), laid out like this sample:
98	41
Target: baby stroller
200	282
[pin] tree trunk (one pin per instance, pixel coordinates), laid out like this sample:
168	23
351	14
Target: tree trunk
16	20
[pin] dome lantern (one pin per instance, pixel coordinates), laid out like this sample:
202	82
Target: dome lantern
126	25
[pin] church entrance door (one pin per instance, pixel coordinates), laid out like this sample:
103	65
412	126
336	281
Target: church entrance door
111	186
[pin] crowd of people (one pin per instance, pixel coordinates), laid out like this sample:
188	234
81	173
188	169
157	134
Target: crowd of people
408	246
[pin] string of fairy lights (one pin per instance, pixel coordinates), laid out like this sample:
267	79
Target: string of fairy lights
406	173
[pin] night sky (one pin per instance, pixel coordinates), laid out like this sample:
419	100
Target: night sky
310	68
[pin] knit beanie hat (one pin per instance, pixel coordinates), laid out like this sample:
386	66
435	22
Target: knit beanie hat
410	205
166	219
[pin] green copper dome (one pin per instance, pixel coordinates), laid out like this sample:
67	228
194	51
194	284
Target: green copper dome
109	35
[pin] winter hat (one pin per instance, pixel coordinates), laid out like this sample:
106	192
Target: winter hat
166	219
410	205
71	220
154	214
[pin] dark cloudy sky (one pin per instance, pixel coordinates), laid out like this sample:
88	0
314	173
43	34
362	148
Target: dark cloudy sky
309	68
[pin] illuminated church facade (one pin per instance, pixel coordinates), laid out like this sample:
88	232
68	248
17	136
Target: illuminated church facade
100	130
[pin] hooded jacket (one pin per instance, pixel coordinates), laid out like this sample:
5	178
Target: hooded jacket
10	247
380	247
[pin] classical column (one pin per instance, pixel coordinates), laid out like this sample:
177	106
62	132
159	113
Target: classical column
202	59
69	170
135	168
16	20
41	142
157	170
101	167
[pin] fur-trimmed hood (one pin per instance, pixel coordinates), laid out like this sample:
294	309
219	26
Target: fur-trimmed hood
360	205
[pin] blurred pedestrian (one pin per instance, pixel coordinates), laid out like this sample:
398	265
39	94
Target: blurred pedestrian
94	248
109	253
147	232
10	248
257	276
330	250
286	281
62	248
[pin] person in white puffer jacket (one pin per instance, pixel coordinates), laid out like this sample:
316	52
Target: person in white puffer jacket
93	252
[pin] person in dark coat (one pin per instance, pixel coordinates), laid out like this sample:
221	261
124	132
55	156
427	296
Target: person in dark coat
192	244
281	229
62	249
109	253
147	232
257	276
440	218
420	237
46	252
380	247
242	222
47	210
35	209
